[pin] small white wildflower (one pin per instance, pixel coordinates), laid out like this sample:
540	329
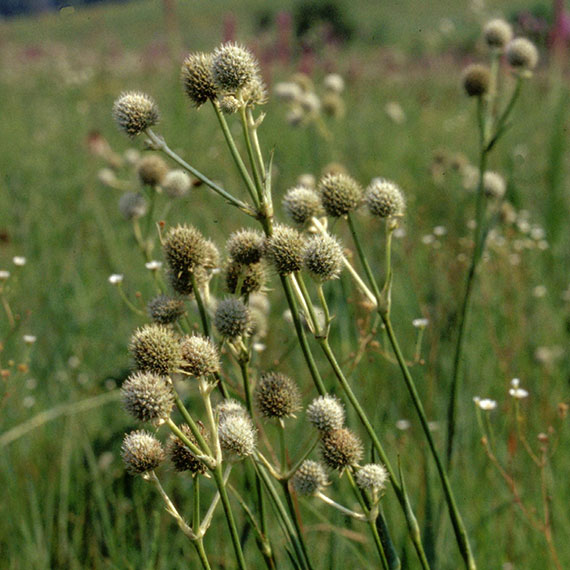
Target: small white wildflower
334	82
29	338
115	279
539	291
420	323
518	393
399	232
485	404
395	112
19	260
287	91
153	265
439	231
515	382
403	425
542	245
4	275
428	239
537	233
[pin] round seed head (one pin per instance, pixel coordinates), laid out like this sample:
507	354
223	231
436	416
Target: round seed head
176	183
155	349
147	397
522	54
384	199
135	112
284	249
245	246
252	277
310	478
301	204
340	194
341	448
494	184
255	93
372	477
165	310
229	407
322	257
497	33
229	104
334	83
326	413
152	169
196	76
182	458
237	435
185	249
277	396
132	205
200	356
141	452
476	79
232	318
233	68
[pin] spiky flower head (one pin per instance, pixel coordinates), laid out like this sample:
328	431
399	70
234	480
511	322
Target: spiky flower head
141	452
340	194
326	413
341	448
134	112
310	478
185	249
155	349
229	407
497	33
277	395
245	246
384	198
476	79
322	257
132	205
196	76
494	185
152	169
165	310
255	93
233	68
200	356
147	397
522	54
179	453
232	318
237	435
176	183
229	104
284	249
301	204
248	278
372	477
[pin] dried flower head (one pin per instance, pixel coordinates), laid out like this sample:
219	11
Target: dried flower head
232	318
152	169
246	246
165	310
334	82
229	104
148	397
494	185
176	183
340	194
476	79
248	278
497	33
229	407
341	448
233	68
522	54
310	478
141	452
155	348
277	395
179	453
237	435
200	356
372	477
135	112
301	204
384	198
132	205
326	413
322	257
196	76
284	249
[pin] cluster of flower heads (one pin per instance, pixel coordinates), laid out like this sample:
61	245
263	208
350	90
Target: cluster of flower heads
520	53
305	105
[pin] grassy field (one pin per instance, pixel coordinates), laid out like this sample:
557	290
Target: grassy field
68	502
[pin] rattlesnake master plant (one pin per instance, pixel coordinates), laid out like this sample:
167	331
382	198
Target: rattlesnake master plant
249	424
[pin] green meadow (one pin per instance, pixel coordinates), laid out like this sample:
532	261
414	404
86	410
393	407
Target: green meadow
67	499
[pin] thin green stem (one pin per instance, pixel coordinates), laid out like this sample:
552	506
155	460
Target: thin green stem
191	424
251	155
199	546
196	503
294	516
